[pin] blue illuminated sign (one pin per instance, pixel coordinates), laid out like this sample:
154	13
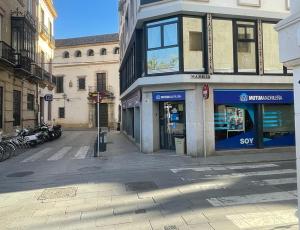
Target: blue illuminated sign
253	97
169	96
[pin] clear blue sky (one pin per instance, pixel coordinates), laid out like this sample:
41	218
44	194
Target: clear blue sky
77	18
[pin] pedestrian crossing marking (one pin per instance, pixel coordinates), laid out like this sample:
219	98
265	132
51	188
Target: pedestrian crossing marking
60	154
223	168
263	219
37	155
281	181
252	198
82	152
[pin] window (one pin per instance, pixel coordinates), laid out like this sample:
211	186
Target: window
271	50
90	53
42	59
0	27
50	29
101	82
66	54
246	47
61	112
162	46
1	107
29	6
116	50
49	110
42	17
193	44
78	53
223	46
30	102
103	51
59	84
81	83
17	108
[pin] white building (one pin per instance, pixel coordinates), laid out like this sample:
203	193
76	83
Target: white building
170	50
84	66
45	54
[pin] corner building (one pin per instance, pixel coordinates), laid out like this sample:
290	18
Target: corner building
171	49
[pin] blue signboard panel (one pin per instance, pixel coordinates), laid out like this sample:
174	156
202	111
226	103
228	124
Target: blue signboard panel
169	96
253	97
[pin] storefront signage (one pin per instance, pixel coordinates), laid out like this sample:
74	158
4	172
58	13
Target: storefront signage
200	76
253	97
169	96
48	97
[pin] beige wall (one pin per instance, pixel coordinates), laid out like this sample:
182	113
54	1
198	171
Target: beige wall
78	111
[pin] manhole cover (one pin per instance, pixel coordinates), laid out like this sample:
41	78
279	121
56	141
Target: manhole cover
20	174
171	227
140	211
56	193
141	186
88	169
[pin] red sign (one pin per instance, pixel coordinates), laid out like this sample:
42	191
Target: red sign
205	91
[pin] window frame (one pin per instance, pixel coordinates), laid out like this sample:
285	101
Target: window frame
56	79
78	54
30	104
78	81
61	110
66	54
103	52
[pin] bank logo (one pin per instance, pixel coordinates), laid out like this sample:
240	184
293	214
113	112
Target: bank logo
157	97
244	97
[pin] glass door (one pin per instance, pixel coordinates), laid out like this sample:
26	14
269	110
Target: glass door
172	123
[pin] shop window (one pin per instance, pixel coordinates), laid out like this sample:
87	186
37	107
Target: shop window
61	112
17	107
278	125
246	47
30	102
193	44
234	126
162	46
272	64
223	46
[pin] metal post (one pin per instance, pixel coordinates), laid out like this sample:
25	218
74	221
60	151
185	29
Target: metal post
204	128
98	107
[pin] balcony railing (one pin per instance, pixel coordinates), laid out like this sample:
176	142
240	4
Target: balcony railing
23	62
37	71
7	53
105	91
46	76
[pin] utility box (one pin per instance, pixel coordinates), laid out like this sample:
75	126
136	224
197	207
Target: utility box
180	145
102	143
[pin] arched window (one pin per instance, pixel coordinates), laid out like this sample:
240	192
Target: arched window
90	53
116	50
103	51
78	53
66	54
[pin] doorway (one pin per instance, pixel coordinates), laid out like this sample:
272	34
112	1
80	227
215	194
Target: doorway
171	123
103	115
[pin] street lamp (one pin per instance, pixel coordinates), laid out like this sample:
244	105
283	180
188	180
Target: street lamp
289	41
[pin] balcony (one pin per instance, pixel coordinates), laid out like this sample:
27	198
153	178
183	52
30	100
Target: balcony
46	76
23	63
7	54
37	71
106	92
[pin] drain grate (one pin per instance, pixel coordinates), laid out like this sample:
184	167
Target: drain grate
20	174
171	227
140	211
141	186
57	193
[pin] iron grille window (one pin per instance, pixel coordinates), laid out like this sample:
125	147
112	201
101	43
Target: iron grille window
30	102
81	83
61	112
101	82
59	84
17	108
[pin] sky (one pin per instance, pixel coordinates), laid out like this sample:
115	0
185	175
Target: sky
77	18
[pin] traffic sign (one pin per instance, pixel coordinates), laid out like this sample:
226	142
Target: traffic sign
48	97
